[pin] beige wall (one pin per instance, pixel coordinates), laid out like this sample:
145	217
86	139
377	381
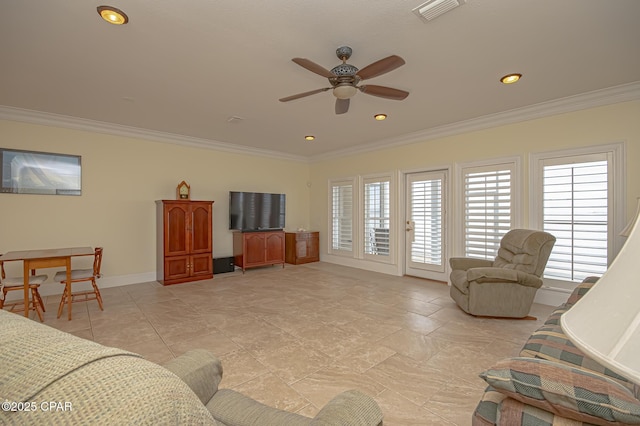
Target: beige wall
121	179
597	126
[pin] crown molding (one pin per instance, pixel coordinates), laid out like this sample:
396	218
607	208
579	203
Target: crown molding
75	123
612	95
596	98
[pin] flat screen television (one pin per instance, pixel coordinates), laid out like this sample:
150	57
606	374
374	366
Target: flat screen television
256	211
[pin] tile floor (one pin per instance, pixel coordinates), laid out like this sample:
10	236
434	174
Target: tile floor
295	337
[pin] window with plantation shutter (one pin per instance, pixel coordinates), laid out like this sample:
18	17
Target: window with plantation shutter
376	217
342	216
577	196
488	208
575	210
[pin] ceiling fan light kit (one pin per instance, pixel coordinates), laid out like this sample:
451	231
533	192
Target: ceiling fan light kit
344	79
344	91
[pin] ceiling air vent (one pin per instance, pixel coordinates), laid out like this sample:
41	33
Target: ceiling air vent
434	8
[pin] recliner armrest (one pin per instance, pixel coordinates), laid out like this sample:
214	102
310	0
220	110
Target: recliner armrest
488	275
200	369
465	263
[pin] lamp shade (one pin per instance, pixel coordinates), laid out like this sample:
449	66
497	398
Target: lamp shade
605	322
627	229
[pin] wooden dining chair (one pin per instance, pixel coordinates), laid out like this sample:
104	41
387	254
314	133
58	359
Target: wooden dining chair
81	275
17	283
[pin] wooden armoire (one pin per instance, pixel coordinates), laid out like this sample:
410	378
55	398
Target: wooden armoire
185	241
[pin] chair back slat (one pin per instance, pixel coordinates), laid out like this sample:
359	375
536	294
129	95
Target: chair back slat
97	261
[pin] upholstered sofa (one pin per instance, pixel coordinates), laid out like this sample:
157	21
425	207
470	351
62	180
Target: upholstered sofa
552	382
51	377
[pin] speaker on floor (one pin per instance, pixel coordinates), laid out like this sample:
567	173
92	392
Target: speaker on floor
223	264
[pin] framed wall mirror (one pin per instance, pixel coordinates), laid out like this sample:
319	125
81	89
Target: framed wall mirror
32	172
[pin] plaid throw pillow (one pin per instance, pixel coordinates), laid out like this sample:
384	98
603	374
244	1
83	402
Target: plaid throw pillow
581	290
549	342
570	392
486	412
554	318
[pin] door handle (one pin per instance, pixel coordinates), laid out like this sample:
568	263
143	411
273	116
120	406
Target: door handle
411	226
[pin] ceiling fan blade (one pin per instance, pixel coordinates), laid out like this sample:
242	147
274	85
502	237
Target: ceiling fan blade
302	95
342	106
313	67
384	92
380	67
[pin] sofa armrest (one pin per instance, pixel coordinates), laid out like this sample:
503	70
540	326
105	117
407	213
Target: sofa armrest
351	408
489	275
232	408
199	369
465	263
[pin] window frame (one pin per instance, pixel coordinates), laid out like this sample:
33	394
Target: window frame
616	192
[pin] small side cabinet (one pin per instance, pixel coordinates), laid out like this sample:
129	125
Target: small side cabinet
259	248
302	247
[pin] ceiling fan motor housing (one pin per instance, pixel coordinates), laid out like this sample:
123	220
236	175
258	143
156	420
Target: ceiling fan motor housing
345	80
344	69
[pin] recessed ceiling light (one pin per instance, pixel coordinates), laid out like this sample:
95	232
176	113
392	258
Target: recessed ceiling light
113	15
510	78
309	137
380	117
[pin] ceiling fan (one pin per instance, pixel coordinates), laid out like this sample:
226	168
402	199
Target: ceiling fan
344	79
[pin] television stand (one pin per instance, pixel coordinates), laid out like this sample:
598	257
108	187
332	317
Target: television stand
258	248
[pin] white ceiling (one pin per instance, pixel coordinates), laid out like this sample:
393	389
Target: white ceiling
181	69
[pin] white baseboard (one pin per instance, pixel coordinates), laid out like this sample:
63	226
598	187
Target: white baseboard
52	288
551	296
383	268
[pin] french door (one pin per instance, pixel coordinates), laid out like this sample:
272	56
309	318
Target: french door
425	228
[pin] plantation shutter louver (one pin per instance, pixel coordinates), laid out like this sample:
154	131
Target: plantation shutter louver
575	210
376	218
487	210
426	215
342	217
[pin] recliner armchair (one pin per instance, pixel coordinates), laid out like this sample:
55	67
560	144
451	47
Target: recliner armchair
506	286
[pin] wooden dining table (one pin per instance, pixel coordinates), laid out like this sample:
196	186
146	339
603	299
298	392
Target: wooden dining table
46	258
